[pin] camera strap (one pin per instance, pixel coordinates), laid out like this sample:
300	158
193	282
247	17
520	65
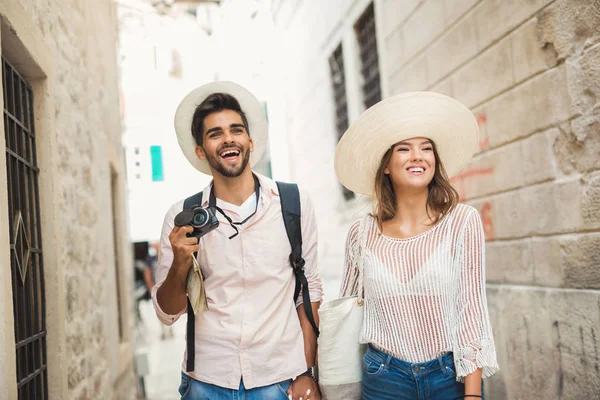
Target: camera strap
212	202
228	220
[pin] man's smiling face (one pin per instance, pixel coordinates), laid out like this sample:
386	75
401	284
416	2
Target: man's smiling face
226	144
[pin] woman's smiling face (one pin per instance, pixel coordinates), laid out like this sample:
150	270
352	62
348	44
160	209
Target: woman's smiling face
412	163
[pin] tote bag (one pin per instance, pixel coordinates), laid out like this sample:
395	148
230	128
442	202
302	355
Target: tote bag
340	355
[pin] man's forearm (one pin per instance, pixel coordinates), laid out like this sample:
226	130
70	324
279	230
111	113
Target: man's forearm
171	295
310	338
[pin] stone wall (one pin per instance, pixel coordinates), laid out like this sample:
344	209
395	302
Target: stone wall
82	89
530	72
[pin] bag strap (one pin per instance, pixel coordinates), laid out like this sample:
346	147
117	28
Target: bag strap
359	255
291	211
188	204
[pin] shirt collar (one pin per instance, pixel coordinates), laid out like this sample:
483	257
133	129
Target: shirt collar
268	188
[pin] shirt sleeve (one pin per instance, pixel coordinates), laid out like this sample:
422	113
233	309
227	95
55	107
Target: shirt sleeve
475	343
165	259
309	250
350	277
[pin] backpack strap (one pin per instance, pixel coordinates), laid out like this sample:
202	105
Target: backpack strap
190	203
290	208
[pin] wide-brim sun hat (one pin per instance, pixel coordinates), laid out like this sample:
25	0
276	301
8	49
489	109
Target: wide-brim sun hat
255	114
448	123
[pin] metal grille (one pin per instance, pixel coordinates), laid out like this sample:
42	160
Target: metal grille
25	236
367	41
338	81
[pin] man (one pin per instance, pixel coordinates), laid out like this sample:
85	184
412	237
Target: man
253	342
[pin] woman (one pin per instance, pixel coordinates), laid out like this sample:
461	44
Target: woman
426	320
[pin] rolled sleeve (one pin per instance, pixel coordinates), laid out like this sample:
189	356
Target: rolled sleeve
165	259
309	250
475	347
351	275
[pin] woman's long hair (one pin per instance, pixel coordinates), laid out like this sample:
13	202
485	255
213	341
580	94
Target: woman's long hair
441	200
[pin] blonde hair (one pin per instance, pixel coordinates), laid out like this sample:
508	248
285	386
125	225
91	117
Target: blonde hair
442	197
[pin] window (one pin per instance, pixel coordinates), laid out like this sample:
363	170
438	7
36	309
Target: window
367	42
338	81
26	258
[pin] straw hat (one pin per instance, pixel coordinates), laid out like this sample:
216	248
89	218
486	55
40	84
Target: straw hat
257	120
445	121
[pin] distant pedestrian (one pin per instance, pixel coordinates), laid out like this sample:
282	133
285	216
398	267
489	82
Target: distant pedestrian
143	282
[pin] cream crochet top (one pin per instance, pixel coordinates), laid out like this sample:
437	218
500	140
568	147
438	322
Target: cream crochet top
425	295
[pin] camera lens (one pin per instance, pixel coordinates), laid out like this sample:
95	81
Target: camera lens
200	218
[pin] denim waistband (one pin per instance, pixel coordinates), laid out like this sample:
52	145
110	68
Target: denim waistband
443	362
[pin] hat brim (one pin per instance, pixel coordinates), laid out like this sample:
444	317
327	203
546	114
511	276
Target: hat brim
448	123
255	114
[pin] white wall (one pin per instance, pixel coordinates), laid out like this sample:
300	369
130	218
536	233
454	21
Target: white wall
241	47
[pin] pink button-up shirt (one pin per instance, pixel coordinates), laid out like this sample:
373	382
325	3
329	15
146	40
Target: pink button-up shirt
252	330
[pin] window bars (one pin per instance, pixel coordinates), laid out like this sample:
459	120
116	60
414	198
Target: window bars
367	41
338	80
26	257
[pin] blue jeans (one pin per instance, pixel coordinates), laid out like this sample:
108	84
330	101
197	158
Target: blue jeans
195	390
386	377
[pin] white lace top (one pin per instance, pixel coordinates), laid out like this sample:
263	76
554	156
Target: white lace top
425	295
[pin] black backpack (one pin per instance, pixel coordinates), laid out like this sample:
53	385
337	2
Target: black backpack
290	208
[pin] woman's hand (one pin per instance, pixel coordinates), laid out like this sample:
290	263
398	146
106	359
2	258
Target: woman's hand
304	388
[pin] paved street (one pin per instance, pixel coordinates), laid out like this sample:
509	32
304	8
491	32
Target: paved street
164	356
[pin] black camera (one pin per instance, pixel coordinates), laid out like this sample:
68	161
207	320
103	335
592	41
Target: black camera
203	220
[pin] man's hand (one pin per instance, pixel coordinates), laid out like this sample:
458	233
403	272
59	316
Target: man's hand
183	249
171	295
305	388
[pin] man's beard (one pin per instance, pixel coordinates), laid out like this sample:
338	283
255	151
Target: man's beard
229	171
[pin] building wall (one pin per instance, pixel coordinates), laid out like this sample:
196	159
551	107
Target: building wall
529	71
67	52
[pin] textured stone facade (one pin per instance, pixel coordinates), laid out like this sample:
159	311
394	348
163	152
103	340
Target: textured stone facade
530	72
67	50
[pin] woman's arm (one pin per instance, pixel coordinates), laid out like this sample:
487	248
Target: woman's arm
475	352
473	383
